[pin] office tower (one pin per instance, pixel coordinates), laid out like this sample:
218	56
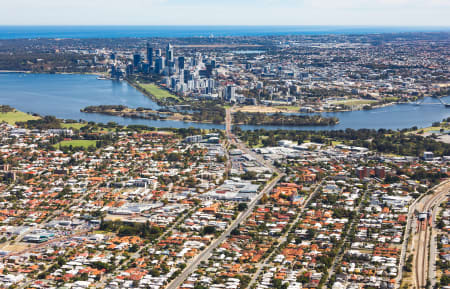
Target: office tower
149	55
112	56
136	60
158	52
145	68
169	53
181	75
231	93
213	63
188	75
159	64
173	82
181	62
129	70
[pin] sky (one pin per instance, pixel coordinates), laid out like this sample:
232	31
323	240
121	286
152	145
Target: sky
226	12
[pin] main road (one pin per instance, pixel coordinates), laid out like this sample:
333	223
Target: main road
206	253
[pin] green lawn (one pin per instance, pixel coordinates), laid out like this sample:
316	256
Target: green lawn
353	102
432	129
73	125
157	92
77	143
288	107
15	116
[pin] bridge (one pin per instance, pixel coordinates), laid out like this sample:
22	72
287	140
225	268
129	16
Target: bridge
421	102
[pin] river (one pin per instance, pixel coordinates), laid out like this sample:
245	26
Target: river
63	95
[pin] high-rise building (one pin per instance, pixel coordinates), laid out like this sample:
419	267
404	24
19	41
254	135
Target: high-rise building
181	62
230	94
136	60
188	75
362	172
158	53
129	70
149	55
159	64
169	53
380	172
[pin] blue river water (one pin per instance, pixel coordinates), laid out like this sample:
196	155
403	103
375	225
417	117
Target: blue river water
63	95
16	32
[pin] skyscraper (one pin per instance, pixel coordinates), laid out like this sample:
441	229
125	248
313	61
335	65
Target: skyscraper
231	93
159	64
136	60
181	62
149	55
169	53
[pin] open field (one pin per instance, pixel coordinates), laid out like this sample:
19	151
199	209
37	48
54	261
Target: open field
353	101
265	109
15	116
434	129
77	143
73	125
157	92
16	247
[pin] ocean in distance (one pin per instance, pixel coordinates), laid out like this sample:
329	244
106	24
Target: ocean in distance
19	32
63	95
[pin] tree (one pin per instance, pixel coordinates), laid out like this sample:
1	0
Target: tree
242	207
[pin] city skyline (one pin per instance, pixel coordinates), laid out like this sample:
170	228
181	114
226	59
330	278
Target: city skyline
250	12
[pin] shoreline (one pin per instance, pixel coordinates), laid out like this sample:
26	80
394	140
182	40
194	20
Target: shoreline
154	99
63	73
149	95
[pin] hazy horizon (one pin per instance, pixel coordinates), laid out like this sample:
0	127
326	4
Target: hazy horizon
233	12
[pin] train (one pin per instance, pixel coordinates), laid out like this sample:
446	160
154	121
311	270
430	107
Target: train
422	220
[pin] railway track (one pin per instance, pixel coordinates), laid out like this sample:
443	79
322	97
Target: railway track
422	244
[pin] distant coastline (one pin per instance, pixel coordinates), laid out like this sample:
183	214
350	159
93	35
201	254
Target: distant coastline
32	32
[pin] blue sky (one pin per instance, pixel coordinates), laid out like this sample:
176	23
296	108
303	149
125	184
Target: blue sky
226	12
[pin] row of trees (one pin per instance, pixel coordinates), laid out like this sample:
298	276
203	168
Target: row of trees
143	230
382	140
282	119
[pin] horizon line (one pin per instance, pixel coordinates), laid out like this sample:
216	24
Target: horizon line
232	25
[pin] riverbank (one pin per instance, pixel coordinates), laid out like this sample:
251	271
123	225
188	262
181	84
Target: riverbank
14	116
140	113
64	95
144	92
297	109
62	73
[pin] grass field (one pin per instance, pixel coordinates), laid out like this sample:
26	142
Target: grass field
77	143
157	92
353	102
15	116
288	107
73	125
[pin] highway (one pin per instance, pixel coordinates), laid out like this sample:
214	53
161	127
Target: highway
206	253
421	239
